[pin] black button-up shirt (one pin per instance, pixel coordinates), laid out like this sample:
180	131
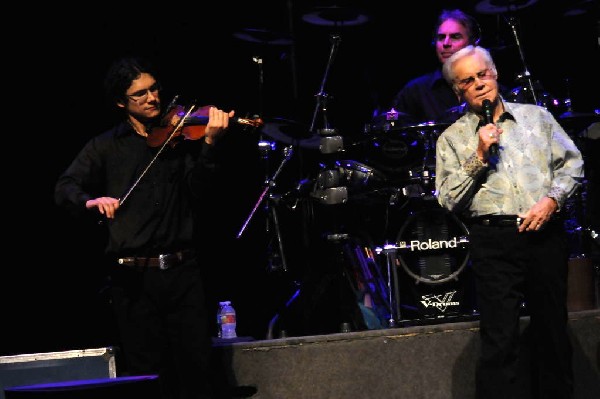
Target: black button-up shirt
428	98
156	214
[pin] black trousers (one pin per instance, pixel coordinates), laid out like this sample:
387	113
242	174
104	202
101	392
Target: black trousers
511	268
163	327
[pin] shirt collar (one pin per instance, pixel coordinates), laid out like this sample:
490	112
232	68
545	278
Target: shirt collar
507	114
504	116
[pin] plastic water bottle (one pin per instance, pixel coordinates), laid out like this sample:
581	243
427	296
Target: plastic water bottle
219	320
227	320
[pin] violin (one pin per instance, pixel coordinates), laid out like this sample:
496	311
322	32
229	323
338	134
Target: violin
190	125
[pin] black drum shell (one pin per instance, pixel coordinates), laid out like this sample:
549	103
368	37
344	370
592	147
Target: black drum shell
433	258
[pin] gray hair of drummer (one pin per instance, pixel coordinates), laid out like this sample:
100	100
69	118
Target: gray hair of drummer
448	70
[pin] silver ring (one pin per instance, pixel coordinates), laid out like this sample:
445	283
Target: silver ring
492	135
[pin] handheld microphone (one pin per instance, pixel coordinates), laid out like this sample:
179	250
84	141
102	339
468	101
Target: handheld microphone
487	112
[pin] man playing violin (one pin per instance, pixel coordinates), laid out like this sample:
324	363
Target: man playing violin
144	195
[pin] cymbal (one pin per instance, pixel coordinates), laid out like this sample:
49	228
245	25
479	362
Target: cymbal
502	6
578	115
336	16
419	127
426	126
288	131
577	120
263	36
583	7
452	113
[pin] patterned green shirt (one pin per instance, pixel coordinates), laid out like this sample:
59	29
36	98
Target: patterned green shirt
537	159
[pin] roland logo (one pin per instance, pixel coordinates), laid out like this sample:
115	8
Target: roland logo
416	245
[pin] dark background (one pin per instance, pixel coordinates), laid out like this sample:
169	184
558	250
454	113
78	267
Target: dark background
52	283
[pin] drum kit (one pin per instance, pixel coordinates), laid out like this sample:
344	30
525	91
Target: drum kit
373	198
379	191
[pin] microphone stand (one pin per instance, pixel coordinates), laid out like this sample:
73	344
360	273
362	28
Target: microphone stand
269	184
512	22
322	96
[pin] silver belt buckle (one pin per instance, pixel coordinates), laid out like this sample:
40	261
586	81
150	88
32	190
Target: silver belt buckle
163	263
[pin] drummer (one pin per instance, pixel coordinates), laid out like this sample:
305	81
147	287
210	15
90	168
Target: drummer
429	98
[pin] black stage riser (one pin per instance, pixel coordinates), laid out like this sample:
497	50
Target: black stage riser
432	362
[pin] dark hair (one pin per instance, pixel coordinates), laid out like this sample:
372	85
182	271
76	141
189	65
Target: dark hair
121	73
470	23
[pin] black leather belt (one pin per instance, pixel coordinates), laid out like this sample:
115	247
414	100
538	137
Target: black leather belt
496	220
162	261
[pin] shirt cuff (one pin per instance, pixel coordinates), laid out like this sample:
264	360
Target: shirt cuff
473	165
555	194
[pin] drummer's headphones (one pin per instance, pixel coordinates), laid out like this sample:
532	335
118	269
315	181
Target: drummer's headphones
470	22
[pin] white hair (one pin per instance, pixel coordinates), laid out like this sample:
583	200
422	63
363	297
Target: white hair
448	70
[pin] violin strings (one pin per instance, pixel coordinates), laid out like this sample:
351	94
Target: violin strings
177	128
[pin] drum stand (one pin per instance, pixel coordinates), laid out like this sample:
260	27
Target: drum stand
271	212
264	148
392	283
512	22
577	225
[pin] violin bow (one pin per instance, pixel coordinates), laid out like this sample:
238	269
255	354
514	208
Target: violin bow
160	150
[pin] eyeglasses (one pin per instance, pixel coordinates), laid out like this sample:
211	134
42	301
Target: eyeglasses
142	95
465	83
